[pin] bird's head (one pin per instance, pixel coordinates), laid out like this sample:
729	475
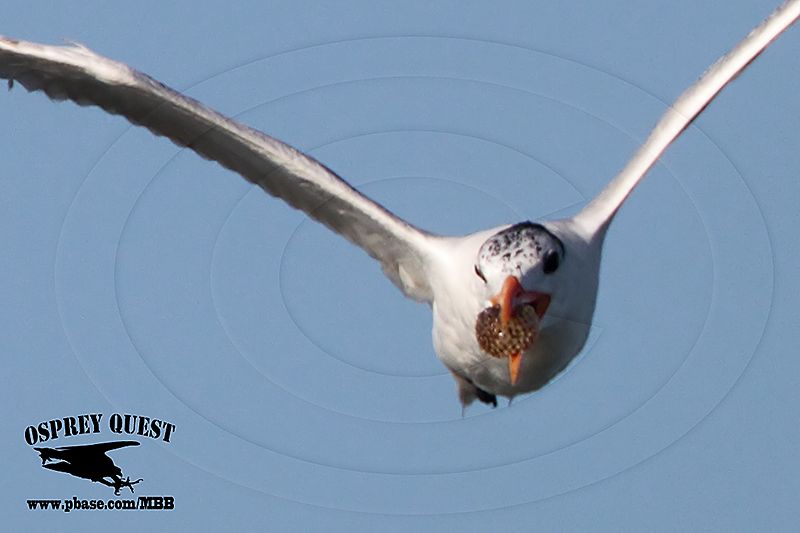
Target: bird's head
519	266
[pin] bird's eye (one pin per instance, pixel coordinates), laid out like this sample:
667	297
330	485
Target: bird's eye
479	273
551	262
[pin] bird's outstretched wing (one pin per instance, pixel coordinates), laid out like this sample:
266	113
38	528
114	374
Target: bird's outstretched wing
602	208
100	447
76	73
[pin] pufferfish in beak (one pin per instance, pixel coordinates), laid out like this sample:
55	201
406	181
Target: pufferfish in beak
511	325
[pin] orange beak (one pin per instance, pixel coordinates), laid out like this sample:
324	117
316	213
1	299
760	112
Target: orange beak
514	362
513	291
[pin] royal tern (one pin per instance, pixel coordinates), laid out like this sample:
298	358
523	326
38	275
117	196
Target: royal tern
551	266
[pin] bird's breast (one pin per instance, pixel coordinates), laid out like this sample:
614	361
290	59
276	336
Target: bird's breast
456	345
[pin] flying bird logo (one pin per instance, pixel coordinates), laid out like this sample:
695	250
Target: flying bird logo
90	462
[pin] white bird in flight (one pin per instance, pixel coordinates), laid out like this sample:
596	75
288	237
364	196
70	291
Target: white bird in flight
551	266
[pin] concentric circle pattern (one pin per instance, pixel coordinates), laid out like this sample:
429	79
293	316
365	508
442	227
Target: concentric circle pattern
275	340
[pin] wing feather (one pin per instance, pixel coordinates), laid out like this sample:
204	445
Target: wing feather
76	73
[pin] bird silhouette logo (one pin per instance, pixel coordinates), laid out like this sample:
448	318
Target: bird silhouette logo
89	462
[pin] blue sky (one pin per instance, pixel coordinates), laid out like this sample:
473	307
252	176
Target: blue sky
139	278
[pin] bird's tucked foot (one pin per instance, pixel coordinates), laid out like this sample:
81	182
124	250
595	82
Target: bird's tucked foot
485	397
468	392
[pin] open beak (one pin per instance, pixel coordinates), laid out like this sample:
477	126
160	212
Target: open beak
510	296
